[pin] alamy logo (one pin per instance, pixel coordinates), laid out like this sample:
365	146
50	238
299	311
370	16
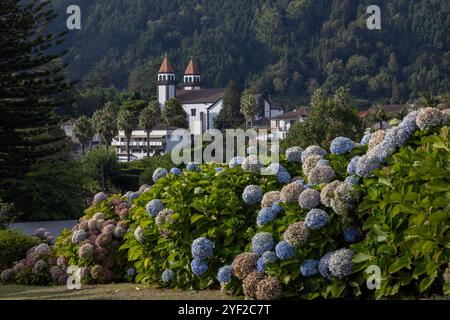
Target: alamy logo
74	279
374	280
73	22
374	20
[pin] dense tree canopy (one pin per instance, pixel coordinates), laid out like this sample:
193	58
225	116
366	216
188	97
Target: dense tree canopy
278	47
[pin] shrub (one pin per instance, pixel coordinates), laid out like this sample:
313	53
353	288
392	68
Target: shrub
205	203
407	218
94	243
13	247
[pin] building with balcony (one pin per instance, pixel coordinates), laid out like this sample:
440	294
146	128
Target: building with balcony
161	142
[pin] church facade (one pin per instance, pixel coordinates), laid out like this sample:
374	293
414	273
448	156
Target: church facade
201	105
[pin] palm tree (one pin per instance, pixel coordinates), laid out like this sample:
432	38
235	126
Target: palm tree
104	123
148	119
83	131
126	122
249	108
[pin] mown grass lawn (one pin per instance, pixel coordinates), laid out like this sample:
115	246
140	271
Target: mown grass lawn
122	291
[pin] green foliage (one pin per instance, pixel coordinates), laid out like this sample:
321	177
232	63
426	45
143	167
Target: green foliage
33	87
407	218
328	119
13	247
298	43
173	114
249	108
230	115
205	204
149	165
104	122
99	165
51	191
83	131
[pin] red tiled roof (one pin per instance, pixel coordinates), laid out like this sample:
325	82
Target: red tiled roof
199	96
166	67
293	115
191	69
390	109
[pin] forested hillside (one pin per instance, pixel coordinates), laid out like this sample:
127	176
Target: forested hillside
279	47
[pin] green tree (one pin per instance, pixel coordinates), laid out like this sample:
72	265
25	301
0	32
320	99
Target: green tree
126	122
249	108
174	115
100	165
32	84
104	123
329	117
148	119
83	132
230	115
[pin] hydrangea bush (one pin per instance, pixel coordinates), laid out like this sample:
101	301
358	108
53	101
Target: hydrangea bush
93	244
210	214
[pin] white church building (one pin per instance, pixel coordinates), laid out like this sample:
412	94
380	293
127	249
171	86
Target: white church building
201	106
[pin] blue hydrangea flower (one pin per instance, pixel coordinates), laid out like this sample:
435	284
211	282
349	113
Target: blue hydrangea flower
409	122
284	251
154	207
276	207
252	194
224	274
365	139
175	171
341	145
267	257
198	266
307	186
236	161
309	267
192	166
323	162
283	177
294	154
202	248
352	180
382	150
79	236
158	174
218	169
366	165
351	168
352	234
99	197
316	219
340	263
323	265
309	199
139	234
167	276
262	242
316	150
265	215
131	272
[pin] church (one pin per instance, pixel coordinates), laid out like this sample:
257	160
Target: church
201	105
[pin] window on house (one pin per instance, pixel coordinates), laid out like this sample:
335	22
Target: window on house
193	112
